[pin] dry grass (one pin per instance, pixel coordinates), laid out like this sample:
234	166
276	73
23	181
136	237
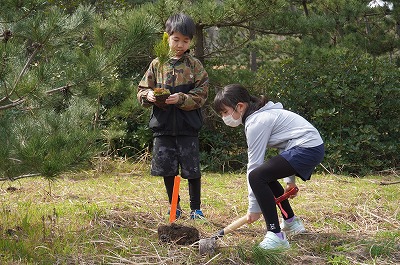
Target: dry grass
111	217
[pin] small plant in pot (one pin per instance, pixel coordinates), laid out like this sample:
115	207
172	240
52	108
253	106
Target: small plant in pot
161	95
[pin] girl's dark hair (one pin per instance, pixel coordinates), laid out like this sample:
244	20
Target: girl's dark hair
180	23
232	94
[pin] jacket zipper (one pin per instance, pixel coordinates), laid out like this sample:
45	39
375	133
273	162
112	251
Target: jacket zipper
173	107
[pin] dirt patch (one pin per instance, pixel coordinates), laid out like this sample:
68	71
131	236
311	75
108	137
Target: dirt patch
179	234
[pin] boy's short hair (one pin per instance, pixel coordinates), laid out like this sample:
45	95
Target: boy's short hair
180	23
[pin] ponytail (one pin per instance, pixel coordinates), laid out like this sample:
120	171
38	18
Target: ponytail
254	104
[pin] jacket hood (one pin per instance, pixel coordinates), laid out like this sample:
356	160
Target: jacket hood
272	105
268	106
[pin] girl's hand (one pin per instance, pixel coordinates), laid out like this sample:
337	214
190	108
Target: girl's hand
150	96
290	186
252	217
172	99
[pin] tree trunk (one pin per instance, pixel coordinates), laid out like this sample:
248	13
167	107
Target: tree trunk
199	47
304	2
253	53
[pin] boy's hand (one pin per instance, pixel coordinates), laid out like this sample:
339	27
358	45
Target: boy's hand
172	99
150	96
252	217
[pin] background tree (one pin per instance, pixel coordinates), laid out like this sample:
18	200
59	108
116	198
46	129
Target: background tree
335	62
56	68
306	34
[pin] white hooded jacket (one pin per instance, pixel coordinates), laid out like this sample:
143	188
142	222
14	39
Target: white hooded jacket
273	126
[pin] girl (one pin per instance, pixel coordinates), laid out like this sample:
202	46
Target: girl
301	147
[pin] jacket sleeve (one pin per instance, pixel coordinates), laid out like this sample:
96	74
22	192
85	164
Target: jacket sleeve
147	83
196	97
257	137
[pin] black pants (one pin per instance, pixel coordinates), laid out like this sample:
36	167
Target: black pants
194	191
265	185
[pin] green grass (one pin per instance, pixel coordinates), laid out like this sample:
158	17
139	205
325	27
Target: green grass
111	216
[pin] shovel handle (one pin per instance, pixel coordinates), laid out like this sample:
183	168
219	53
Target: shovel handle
243	220
233	226
174	201
286	195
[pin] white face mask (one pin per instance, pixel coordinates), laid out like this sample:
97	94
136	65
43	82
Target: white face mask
230	121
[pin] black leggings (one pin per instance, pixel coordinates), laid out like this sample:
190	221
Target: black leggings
266	187
194	191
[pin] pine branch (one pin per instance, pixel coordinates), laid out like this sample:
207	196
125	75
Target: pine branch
63	88
13	104
228	50
259	30
30	11
28	62
22	99
20	177
4	98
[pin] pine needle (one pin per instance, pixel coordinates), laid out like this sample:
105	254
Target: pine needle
161	49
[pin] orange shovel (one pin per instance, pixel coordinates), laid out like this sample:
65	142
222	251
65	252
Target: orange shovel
174	201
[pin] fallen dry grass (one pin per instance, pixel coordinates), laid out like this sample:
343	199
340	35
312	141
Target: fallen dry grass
112	216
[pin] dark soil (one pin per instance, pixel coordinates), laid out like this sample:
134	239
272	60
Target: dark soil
179	234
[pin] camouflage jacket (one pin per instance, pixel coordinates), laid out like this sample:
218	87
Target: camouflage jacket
185	76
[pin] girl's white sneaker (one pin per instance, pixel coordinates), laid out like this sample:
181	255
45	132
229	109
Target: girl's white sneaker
272	241
294	227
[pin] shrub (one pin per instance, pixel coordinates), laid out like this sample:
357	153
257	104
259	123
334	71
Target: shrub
351	98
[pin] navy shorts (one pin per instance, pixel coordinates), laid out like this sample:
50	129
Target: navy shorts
173	152
304	160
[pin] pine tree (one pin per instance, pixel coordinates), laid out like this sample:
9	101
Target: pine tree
55	67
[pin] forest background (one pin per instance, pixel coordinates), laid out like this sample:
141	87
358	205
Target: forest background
69	72
68	112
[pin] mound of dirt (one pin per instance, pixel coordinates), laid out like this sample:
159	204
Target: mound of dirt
179	234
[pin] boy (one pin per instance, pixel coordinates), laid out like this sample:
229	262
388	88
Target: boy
176	122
